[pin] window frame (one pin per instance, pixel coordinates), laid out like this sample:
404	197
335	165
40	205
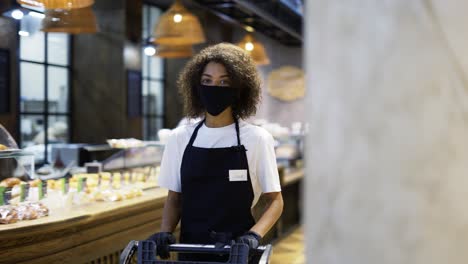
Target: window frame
149	118
45	113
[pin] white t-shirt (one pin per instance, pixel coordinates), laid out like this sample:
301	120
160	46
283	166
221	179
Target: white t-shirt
260	154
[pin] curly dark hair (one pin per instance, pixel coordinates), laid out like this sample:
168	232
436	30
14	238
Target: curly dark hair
242	73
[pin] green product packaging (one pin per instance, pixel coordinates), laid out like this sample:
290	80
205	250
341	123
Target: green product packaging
2	195
42	189
24	191
99	180
64	185
111	181
6	195
81	181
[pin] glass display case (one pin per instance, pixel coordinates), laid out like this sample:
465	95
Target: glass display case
127	158
13	161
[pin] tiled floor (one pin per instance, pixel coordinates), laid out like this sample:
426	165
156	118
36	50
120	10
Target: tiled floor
289	250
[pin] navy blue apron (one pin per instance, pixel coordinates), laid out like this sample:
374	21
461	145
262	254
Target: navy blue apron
217	193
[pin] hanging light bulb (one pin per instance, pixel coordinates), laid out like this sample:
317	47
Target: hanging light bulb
177	18
17	14
255	49
149	50
177	26
249	46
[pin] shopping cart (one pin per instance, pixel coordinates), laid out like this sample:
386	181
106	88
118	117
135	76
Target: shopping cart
238	253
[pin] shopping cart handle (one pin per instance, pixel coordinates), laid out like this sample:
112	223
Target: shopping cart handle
194	248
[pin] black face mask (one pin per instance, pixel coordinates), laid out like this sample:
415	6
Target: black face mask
216	99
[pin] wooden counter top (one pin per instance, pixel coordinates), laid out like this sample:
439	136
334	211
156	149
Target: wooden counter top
71	236
291	175
81	213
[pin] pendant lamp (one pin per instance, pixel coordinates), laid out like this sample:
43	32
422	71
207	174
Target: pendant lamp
73	21
174	51
57	4
177	26
34	3
66	4
255	49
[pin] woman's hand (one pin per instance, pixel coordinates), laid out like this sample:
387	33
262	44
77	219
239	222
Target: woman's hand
163	240
250	238
170	219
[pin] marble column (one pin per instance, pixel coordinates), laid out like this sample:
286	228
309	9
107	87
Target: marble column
387	153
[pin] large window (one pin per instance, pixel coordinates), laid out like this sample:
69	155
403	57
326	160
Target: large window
153	80
44	86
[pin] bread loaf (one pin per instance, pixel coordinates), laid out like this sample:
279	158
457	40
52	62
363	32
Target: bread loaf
34	183
10	182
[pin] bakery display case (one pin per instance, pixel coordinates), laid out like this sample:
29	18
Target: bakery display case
17	183
134	157
15	165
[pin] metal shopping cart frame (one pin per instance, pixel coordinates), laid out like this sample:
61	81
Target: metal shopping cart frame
238	253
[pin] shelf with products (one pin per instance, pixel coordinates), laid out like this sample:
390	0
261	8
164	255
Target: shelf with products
14	162
127	174
82	235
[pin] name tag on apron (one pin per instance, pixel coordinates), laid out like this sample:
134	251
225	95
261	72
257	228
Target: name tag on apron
237	175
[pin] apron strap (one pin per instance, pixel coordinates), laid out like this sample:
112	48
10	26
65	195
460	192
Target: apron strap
237	132
195	132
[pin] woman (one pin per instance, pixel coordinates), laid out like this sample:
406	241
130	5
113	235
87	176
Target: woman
216	169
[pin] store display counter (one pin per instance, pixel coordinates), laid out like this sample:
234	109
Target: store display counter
291	176
291	189
96	233
90	234
291	184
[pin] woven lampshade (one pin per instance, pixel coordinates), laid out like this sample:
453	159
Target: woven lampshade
173	51
34	3
177	26
57	4
73	21
257	51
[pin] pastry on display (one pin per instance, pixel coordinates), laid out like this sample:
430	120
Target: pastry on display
24	211
3	147
34	183
52	184
125	143
10	182
8	215
40	208
107	196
